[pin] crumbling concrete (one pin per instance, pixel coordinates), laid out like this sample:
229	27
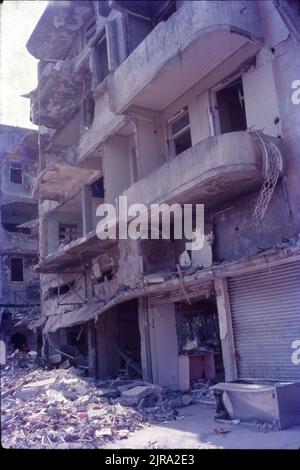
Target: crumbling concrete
19	285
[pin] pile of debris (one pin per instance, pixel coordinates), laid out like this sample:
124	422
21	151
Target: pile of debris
62	409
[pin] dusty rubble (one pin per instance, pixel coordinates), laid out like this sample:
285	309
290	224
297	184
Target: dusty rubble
60	408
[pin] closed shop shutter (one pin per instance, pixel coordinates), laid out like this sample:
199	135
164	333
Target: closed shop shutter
265	307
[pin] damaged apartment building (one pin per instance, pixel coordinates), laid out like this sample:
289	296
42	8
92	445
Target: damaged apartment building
19	284
170	102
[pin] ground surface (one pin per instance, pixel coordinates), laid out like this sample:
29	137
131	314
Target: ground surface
196	431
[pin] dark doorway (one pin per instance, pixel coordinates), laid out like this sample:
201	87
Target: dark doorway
230	102
129	340
19	341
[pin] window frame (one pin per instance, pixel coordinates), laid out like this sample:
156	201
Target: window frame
19	166
172	137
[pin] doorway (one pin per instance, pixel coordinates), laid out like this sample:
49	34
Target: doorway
230	107
199	338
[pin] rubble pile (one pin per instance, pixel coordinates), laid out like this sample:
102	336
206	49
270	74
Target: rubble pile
60	408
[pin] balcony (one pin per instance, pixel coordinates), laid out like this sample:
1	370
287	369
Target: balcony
190	44
59	93
214	170
61	181
54	33
74	254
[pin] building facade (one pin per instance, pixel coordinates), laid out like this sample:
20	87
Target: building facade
19	284
171	102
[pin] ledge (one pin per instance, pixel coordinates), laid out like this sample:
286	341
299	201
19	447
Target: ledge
61	181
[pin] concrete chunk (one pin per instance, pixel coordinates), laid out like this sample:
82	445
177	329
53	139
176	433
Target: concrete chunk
133	396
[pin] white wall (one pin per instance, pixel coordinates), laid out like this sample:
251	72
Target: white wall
116	166
149	154
261	102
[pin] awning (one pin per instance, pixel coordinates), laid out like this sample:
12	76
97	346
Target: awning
81	315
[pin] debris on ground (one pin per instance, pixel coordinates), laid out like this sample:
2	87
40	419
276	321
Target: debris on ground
220	430
61	408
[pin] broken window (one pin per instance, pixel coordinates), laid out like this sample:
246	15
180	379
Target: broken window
231	107
67	233
16	173
88	111
98	188
179	132
16	270
101	59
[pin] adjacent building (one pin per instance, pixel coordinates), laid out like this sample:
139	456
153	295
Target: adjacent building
19	284
171	102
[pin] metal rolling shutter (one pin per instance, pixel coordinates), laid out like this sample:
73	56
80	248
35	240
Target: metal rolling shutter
265	307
